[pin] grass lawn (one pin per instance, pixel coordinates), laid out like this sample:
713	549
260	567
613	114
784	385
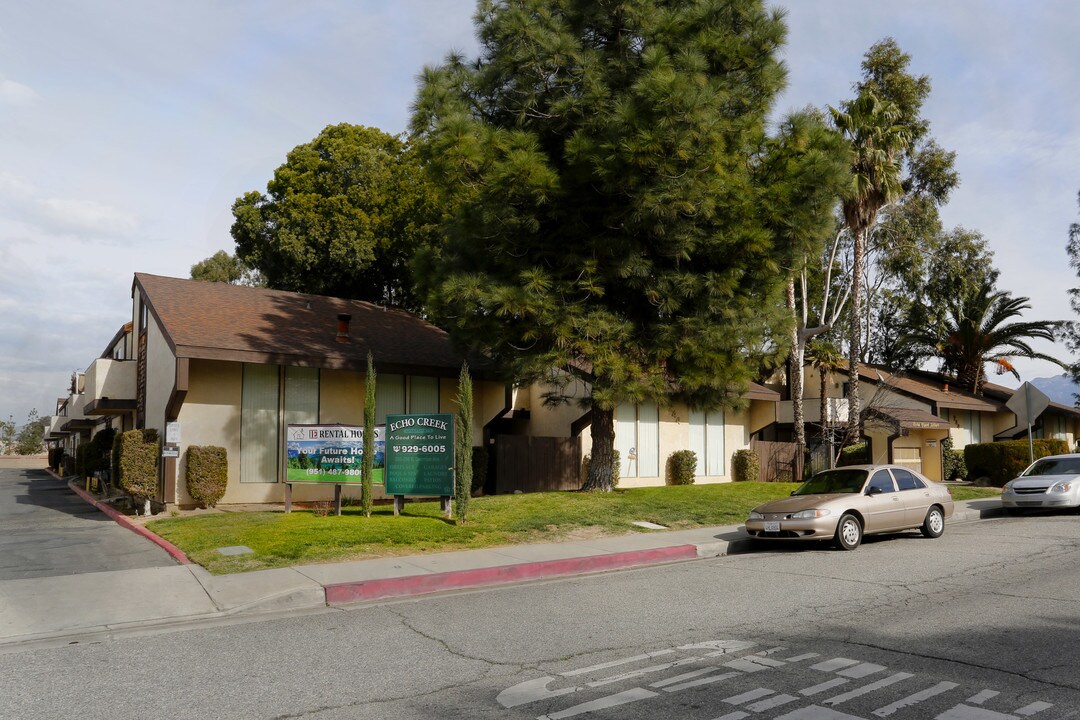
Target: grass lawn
301	537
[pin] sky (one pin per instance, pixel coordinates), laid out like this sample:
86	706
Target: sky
127	130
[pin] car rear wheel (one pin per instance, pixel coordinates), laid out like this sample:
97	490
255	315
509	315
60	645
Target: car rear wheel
934	524
848	532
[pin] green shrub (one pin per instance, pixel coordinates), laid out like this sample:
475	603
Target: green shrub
115	467
56	458
681	467
953	461
207	474
745	466
479	469
81	453
97	459
138	463
857	454
1002	461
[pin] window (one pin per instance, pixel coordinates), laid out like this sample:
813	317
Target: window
882	482
423	395
389	396
301	396
707	441
906	481
637	438
259	447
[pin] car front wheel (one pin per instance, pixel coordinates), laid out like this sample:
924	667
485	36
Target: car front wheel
848	532
934	524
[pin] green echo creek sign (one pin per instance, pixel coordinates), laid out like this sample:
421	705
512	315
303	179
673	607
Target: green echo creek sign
420	455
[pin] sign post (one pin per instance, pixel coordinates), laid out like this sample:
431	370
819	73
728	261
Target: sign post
1028	403
420	457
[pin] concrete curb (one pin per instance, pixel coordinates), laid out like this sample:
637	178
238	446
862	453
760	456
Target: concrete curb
122	520
381	589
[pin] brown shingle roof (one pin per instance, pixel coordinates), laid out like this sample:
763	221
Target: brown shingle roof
218	321
934	390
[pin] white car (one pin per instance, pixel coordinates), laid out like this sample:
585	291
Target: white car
1049	482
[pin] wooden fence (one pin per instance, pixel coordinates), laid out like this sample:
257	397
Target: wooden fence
537	464
778	461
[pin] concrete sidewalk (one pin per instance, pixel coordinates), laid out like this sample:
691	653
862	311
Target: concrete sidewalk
99	606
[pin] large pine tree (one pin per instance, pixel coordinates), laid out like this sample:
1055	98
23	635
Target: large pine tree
599	160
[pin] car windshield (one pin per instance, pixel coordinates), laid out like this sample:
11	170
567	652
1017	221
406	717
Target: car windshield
1054	466
833	481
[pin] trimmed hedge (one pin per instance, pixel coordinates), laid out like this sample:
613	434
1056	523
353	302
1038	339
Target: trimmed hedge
681	467
745	466
1000	462
56	458
139	462
955	467
81	453
207	474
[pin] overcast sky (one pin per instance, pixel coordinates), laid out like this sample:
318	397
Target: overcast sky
127	129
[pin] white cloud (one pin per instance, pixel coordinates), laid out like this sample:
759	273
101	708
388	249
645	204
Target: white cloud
84	216
16	94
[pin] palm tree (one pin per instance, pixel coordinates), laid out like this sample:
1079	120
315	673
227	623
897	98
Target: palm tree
975	332
826	359
878	139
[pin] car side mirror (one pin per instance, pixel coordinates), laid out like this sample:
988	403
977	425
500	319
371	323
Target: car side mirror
873	491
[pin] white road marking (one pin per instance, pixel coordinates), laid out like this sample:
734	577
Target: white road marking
737	715
822	687
1033	708
915	698
722	647
800	658
603	703
644	671
816	712
530	691
702	681
771	703
753	664
834	664
891	680
749	696
685	676
861	670
616	663
980	698
966	712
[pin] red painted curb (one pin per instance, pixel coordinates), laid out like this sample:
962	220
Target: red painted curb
350	592
122	520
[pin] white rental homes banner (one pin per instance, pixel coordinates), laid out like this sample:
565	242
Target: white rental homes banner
331	453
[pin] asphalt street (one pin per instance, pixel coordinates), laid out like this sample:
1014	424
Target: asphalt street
46	531
980	624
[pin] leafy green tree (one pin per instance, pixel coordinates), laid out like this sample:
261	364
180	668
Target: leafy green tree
225	268
1071	330
343	216
7	436
31	437
803	174
463	446
598	165
976	332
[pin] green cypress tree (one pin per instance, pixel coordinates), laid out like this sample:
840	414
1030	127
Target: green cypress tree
367	467
597	166
463	445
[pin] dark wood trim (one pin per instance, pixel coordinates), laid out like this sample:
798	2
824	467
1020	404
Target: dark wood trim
180	389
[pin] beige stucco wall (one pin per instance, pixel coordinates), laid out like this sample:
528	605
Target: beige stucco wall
927	441
674	435
160	376
211	416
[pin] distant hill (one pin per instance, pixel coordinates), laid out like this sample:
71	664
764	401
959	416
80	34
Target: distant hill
1060	388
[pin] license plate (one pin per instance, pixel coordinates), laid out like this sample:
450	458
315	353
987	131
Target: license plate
772	527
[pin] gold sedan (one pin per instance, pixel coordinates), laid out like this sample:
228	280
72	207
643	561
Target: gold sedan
846	503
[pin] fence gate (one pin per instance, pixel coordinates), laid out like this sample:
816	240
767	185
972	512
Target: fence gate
779	461
537	464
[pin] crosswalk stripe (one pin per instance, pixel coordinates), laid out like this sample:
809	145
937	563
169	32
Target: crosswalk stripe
822	687
1033	708
891	680
981	697
834	664
915	698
